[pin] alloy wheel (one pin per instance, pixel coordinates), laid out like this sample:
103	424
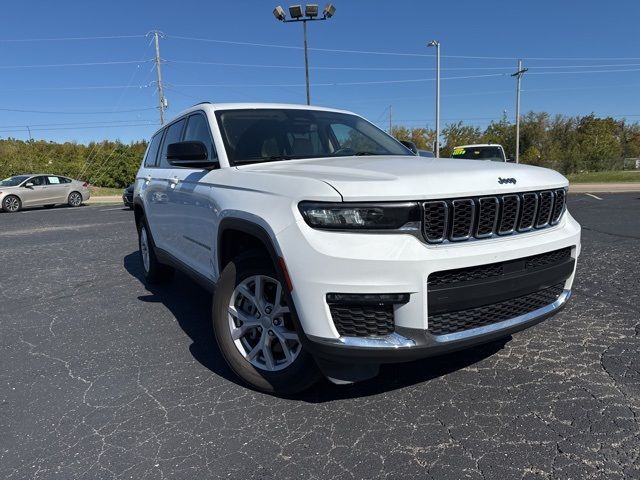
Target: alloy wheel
11	204
75	199
144	249
260	324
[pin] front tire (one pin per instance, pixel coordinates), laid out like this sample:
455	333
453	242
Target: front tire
154	271
75	199
255	330
11	204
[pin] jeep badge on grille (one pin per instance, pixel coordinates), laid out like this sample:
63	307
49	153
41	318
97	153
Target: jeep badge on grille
502	181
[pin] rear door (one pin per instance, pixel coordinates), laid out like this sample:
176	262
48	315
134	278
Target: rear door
160	212
56	190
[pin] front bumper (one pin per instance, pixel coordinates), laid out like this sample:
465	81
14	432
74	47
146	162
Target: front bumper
323	262
408	344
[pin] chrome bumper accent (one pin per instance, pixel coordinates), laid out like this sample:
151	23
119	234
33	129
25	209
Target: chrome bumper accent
474	332
393	340
397	342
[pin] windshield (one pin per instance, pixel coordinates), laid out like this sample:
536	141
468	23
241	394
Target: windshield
479	153
265	135
13	181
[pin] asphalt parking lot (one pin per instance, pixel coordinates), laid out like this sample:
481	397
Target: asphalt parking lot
101	377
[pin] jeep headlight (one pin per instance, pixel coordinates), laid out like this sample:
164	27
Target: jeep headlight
403	216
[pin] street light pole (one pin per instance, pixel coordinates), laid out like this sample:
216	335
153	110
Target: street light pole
306	61
518	76
309	14
435	43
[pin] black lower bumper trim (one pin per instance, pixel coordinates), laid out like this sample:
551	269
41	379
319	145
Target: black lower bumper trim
425	344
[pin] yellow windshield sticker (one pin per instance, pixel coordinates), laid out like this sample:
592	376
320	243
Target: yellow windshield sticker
458	151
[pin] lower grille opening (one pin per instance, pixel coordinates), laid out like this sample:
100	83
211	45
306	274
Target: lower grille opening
461	320
364	315
363	321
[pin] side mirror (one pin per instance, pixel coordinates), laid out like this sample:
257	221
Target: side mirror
410	145
28	185
511	158
190	154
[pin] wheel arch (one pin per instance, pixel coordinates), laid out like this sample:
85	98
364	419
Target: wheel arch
237	235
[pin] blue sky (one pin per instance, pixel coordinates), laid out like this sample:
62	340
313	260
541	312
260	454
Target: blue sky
551	36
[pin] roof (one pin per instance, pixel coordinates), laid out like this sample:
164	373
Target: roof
250	105
473	145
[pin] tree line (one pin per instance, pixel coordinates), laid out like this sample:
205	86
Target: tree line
567	144
105	164
564	143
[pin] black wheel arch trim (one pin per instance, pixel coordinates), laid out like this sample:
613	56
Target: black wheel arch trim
258	231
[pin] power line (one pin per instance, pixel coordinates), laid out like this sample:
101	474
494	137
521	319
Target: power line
107	122
80	87
19	110
332	84
64	39
402	54
385	69
85	64
82	127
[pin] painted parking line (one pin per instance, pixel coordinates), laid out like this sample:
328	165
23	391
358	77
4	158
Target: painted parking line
593	196
111	209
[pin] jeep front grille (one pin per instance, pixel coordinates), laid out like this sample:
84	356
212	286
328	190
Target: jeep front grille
460	219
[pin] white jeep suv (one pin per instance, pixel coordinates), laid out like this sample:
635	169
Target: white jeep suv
333	249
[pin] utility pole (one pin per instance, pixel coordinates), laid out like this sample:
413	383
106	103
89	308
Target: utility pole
435	43
161	99
521	71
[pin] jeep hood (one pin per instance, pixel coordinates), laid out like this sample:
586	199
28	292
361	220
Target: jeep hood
369	178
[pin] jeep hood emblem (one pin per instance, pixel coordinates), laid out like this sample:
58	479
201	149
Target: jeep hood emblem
502	181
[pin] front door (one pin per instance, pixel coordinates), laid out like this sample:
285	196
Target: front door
36	193
193	204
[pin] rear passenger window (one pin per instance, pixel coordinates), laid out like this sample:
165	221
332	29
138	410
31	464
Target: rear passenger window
174	133
152	151
64	180
53	180
198	130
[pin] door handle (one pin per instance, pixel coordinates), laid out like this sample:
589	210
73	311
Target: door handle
174	180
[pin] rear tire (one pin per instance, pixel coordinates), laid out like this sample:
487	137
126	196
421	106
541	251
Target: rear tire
154	271
11	204
255	328
75	199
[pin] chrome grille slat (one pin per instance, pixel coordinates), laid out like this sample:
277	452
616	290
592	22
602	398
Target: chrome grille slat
545	207
460	219
528	211
435	220
510	208
560	199
488	208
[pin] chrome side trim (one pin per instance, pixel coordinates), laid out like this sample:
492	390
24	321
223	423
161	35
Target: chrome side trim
474	332
392	340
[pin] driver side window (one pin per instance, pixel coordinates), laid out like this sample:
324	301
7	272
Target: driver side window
37	181
350	138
